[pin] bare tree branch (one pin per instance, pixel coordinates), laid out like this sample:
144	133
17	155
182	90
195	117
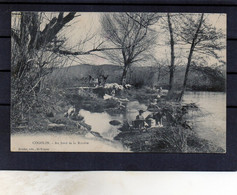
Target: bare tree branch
67	52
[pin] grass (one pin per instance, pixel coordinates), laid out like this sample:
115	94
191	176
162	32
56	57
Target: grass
165	140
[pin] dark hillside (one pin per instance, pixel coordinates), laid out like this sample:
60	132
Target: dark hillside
200	78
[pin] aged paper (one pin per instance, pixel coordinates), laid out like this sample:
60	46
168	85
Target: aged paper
118	82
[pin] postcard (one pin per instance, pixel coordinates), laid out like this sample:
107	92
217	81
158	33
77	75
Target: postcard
118	82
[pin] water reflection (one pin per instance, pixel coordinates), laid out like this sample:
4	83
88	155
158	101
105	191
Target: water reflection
100	121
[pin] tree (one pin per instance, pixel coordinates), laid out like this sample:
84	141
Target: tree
155	71
172	56
28	37
169	23
38	47
33	41
203	38
214	74
131	32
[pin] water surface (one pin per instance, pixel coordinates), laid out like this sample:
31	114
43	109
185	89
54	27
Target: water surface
209	122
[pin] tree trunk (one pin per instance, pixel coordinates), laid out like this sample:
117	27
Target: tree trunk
190	57
172	57
186	72
124	75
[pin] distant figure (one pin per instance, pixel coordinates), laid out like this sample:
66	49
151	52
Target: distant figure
71	111
95	82
158	118
140	121
105	78
150	120
160	90
154	119
139	116
124	81
91	80
113	93
102	80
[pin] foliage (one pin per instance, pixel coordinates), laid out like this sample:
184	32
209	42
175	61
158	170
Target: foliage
203	38
33	57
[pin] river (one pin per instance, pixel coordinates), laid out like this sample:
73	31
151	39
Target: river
100	121
209	123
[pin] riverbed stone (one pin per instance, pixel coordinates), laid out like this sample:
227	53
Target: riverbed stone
115	122
56	127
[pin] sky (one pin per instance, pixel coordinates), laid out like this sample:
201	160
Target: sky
88	24
87	27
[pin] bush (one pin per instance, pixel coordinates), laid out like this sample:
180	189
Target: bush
111	103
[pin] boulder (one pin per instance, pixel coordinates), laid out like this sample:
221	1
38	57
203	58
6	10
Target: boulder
56	127
115	122
96	134
85	126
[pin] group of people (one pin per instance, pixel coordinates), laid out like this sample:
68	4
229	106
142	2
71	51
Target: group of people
100	81
152	120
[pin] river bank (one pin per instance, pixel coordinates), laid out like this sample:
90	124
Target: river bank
94	114
165	140
179	133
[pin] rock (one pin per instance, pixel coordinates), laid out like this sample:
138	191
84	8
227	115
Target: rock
56	127
106	97
115	86
128	86
123	100
77	117
115	122
86	126
96	134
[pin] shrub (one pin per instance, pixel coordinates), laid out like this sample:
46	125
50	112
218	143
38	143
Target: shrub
111	103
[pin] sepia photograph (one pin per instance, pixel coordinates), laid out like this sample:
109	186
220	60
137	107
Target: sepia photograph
118	82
